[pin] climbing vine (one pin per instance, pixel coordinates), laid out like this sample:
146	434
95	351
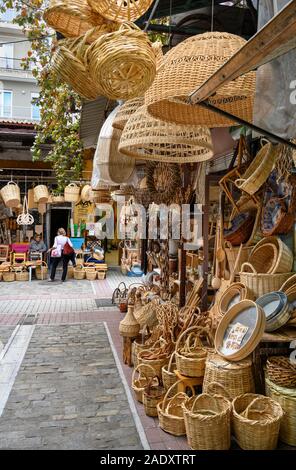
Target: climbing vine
59	106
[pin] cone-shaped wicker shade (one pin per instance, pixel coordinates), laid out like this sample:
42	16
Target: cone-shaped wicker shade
185	68
147	138
74	17
122	10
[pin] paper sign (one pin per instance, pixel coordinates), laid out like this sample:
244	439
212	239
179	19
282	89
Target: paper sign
235	337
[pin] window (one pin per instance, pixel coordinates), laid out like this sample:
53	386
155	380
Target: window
5	103
35	111
6	56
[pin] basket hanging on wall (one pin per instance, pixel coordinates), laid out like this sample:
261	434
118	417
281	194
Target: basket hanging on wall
122	63
147	138
127	10
74	17
186	67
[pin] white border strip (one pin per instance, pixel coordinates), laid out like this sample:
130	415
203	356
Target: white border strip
130	400
11	338
93	287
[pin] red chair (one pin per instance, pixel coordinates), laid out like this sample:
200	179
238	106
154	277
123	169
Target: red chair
19	252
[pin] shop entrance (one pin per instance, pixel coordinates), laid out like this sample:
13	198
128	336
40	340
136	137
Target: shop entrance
59	217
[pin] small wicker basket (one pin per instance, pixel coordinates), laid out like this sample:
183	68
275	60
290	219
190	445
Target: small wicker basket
281	371
41	271
145	372
72	193
8	276
79	273
11	194
152	395
41	193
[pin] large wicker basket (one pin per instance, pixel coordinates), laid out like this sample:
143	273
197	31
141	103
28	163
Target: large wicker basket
79	273
207	422
122	63
190	352
129	10
256	421
90	274
260	284
284	258
41	271
11	194
170	411
41	193
72	192
189	65
147	138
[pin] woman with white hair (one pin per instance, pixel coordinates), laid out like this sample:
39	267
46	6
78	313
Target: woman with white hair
62	250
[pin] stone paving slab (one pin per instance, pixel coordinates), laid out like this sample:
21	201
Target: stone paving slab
68	394
5	334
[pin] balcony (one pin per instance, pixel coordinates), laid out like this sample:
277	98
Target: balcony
10	69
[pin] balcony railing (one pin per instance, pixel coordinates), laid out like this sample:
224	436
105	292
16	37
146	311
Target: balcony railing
9	63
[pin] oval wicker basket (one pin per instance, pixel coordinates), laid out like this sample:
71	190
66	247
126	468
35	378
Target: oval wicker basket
147	138
284	261
170	411
145	372
8	276
79	273
260	284
152	395
256	421
123	63
72	193
189	65
168	375
129	10
41	271
11	194
41	193
286	397
72	18
259	169
281	371
207	422
22	276
264	258
190	352
236	377
233	294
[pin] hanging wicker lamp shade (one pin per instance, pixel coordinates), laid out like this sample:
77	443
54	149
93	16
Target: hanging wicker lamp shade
123	63
147	138
126	110
120	10
74	17
110	166
189	65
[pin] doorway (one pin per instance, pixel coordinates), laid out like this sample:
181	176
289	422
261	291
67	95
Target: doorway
59	217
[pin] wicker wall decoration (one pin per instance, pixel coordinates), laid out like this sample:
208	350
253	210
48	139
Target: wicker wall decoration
120	10
189	65
74	17
123	63
147	138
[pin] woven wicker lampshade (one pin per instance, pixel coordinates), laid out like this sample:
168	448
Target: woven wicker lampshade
126	110
147	138
185	68
123	63
74	17
120	10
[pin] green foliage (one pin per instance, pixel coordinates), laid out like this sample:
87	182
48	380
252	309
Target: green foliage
58	126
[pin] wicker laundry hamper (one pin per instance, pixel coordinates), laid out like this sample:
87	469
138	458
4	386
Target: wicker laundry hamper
72	18
189	65
129	10
147	138
122	63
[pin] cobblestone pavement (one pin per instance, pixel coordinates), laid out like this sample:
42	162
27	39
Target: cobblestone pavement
68	394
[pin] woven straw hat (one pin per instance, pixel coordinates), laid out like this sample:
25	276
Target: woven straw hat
189	65
127	10
147	138
74	17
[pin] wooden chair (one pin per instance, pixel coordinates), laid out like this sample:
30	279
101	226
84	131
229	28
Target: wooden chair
4	252
187	381
19	252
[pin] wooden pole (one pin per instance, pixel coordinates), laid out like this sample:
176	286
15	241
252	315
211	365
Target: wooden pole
205	232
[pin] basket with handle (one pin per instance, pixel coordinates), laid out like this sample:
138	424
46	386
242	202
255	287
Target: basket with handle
79	273
129	10
41	271
72	192
21	274
11	194
154	357
232	294
57	199
170	411
260	284
281	371
41	193
8	276
145	372
231	254
122	63
256	421
207	422
90	274
191	353
168	375
264	258
153	393
137	346
284	259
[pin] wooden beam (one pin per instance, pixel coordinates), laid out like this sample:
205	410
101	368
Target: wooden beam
276	38
25	165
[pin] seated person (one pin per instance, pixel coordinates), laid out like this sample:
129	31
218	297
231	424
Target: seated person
37	245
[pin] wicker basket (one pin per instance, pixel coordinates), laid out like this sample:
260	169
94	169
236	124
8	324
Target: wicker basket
90	274
190	352
41	194
232	294
231	254
281	371
284	261
168	375
189	65
207	422
8	276
145	372
155	362
22	276
290	283
70	272
286	397
73	18
170	411
122	63
85	193
147	138
236	377
256	421
59	199
72	193
152	395
126	110
129	10
101	275
260	284
41	271
11	194
136	348
259	170
79	273
129	327
240	232
264	258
